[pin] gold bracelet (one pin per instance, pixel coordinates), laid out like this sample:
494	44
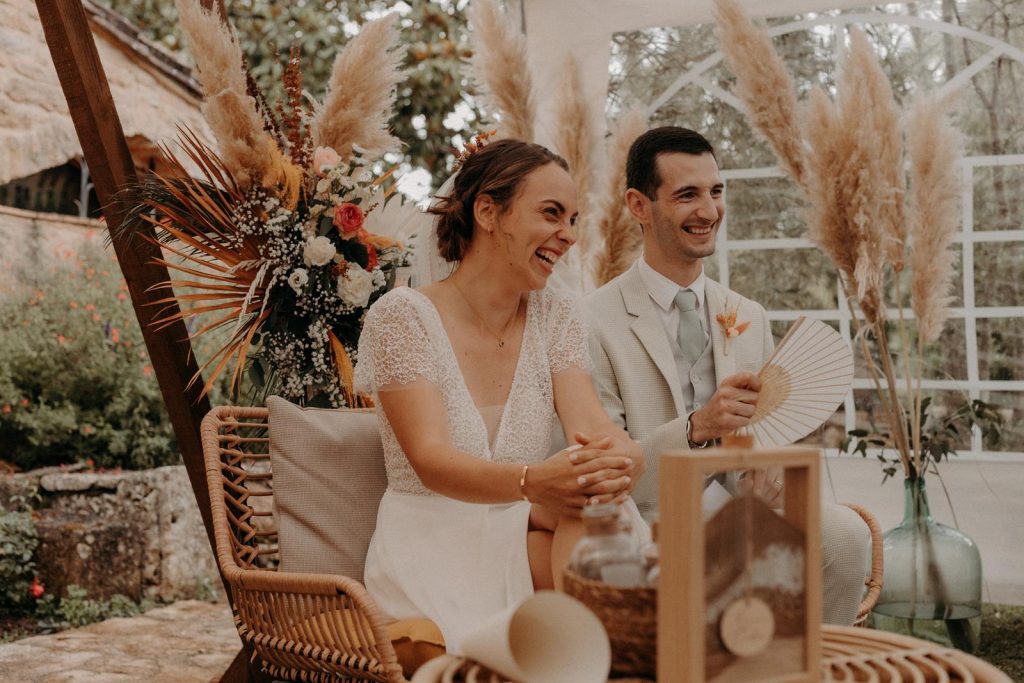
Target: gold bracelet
522	483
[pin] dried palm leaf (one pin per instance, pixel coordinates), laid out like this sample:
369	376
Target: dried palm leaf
195	226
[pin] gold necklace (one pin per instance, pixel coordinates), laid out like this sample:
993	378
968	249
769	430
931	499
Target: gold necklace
480	320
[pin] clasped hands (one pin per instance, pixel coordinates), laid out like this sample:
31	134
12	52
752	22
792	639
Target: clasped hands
730	408
602	470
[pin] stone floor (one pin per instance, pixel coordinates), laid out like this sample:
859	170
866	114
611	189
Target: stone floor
184	642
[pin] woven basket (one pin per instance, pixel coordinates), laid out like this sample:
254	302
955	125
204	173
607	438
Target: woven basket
630	615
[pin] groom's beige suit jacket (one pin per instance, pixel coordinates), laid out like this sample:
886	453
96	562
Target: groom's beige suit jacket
635	370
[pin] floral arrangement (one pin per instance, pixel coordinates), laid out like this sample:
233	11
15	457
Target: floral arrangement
287	233
849	156
730	327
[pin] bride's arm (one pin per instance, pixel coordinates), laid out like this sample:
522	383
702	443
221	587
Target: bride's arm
582	415
419	419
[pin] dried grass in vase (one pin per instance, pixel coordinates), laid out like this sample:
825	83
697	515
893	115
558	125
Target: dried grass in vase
848	157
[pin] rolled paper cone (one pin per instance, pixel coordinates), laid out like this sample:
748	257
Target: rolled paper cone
548	638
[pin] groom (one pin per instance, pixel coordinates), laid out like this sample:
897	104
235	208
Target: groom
663	364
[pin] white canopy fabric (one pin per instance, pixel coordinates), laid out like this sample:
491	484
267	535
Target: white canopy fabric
584	28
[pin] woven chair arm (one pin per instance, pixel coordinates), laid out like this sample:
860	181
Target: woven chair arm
874	580
321	615
298	582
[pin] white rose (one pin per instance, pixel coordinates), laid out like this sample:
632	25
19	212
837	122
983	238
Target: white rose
298	279
324	158
356	286
323	185
319	251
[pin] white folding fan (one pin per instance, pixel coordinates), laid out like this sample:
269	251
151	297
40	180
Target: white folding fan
802	384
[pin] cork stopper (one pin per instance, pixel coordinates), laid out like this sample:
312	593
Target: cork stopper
734	441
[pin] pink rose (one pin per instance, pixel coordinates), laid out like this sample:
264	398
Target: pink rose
325	157
348	218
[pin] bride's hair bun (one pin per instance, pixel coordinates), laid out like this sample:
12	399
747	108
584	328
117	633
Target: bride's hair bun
496	170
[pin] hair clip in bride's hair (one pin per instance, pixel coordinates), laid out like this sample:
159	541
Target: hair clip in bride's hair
478	142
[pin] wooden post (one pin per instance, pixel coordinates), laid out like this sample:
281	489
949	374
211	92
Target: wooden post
110	164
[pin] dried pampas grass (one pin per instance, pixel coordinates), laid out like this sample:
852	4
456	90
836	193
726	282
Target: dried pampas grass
361	92
868	106
853	179
501	70
831	175
623	240
249	153
935	148
763	84
574	140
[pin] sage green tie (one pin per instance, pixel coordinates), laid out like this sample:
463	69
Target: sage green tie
691	332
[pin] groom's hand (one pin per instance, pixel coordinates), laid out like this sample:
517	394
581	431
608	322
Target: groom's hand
730	408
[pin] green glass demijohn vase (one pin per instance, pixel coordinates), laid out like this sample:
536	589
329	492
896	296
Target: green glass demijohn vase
932	581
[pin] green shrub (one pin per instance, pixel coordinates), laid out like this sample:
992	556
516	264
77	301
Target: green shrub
18	543
75	378
76	609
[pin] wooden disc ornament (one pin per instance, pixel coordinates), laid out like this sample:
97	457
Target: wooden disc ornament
747	626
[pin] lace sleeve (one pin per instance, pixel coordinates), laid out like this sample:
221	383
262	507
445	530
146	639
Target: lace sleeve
568	347
394	348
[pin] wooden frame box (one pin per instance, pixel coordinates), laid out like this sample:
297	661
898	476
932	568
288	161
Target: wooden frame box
686	652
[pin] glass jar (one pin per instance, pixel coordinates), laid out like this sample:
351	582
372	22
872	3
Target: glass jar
608	552
652	558
932	587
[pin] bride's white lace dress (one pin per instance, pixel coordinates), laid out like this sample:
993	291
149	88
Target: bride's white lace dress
431	556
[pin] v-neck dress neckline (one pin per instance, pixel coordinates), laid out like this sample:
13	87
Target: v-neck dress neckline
524	343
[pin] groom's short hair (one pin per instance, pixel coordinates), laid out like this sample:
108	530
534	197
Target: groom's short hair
642	162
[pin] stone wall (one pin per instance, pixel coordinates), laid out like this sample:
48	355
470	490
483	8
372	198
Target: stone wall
135	533
33	242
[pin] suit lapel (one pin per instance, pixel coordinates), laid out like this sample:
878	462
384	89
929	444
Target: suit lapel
725	365
648	329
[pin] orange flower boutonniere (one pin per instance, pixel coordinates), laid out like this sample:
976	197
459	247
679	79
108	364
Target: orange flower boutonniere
730	328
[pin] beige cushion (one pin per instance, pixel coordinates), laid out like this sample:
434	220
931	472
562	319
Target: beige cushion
328	481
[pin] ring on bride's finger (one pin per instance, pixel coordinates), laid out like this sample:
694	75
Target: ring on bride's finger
777	484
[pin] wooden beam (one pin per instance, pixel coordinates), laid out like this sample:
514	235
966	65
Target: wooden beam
111	168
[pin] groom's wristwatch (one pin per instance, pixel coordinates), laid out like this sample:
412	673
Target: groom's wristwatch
689	432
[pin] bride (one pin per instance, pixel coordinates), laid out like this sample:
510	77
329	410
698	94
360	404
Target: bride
468	374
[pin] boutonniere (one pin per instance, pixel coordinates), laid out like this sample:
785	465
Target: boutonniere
730	328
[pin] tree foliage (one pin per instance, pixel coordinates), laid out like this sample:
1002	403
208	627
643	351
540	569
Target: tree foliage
435	33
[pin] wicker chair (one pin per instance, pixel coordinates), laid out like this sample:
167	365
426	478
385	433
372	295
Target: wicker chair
874	580
310	627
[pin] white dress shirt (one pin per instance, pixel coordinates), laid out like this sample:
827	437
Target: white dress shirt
663	292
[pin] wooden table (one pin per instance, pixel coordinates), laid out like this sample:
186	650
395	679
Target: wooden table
849	654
